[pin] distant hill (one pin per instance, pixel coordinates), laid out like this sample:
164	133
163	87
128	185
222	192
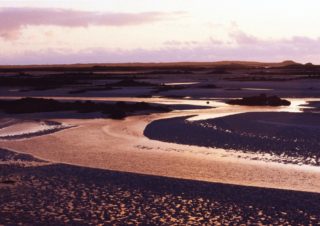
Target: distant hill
135	66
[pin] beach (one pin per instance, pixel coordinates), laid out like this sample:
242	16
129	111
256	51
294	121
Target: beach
184	161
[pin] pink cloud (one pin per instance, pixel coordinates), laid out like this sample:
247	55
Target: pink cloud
182	44
242	38
13	19
242	47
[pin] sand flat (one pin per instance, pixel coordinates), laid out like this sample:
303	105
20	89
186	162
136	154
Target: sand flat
121	146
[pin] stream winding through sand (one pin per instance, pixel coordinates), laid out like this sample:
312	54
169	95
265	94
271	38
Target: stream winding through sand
120	145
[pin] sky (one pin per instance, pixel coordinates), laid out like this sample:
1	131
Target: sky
110	31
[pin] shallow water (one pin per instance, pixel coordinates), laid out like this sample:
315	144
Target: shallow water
222	110
86	145
219	107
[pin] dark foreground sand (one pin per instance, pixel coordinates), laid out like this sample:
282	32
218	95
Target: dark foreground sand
34	192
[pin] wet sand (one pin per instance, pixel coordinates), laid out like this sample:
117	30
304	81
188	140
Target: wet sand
60	194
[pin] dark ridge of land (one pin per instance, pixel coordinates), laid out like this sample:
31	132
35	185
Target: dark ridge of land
91	89
41	83
284	77
209	86
164	88
79	79
131	83
132	66
131	69
261	100
314	107
118	110
60	194
85	82
292	137
127	82
58	80
156	88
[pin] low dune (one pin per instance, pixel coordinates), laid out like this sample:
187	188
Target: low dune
294	136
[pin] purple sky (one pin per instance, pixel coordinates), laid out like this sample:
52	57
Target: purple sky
166	31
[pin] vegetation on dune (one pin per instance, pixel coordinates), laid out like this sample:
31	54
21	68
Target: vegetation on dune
131	83
261	100
118	110
163	88
133	66
209	86
39	83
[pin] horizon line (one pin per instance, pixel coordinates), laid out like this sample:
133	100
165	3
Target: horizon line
288	62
